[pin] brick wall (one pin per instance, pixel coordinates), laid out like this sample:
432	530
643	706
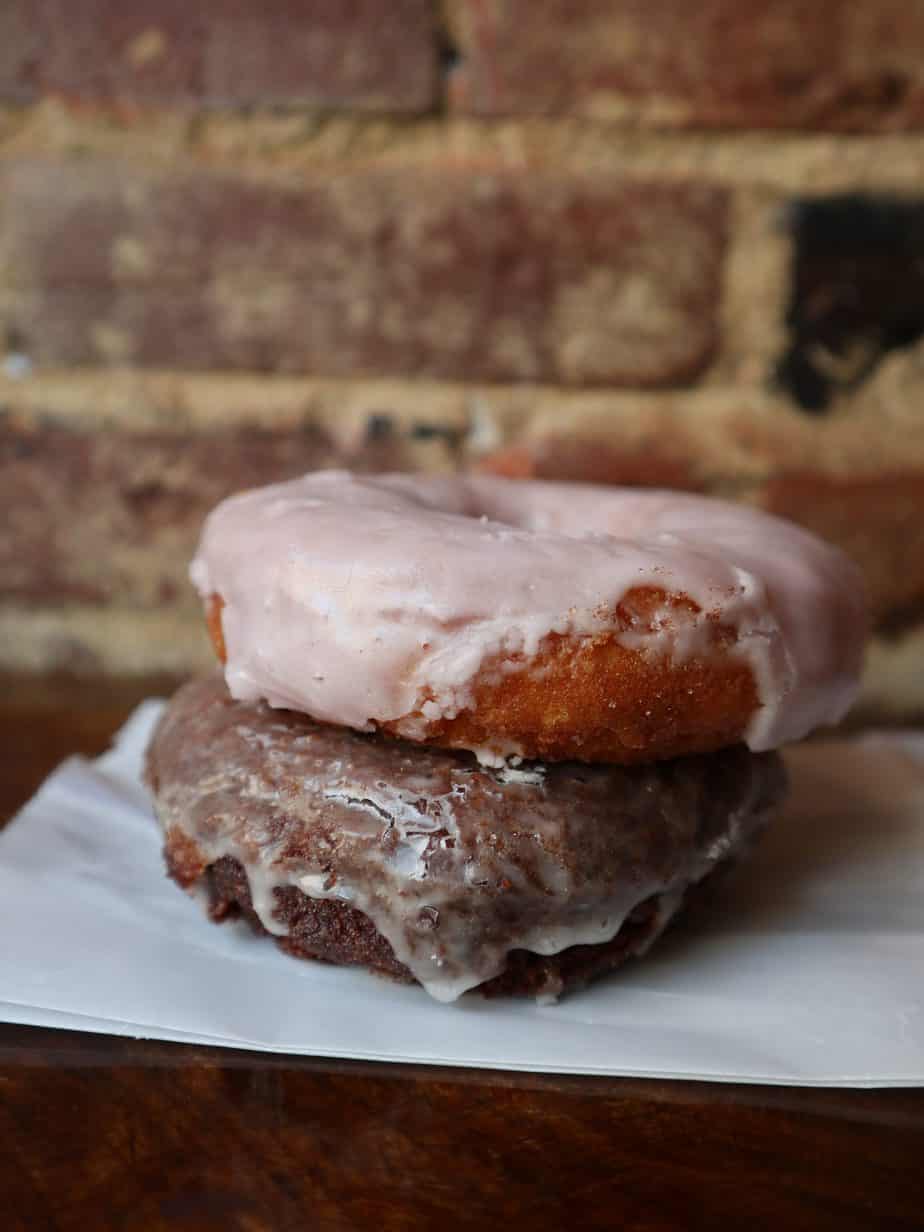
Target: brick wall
608	240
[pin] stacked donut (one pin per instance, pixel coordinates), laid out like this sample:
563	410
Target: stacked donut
481	733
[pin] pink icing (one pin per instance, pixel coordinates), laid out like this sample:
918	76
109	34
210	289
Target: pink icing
356	598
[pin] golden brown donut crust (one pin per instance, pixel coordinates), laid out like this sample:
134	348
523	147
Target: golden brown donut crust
595	699
213	623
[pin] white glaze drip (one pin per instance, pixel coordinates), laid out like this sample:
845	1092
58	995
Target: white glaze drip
455	865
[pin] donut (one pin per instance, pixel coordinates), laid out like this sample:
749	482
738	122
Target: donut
427	866
522	619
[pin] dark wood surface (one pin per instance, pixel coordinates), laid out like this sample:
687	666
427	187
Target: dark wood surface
99	1133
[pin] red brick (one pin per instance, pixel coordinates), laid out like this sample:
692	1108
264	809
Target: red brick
840	64
440	272
876	519
589	460
330	53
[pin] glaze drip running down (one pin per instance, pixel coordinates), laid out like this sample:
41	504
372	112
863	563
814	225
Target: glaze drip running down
456	865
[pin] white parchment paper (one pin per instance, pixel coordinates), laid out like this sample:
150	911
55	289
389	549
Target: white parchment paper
808	968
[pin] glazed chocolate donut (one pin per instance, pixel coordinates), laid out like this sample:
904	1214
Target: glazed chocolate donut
528	619
426	866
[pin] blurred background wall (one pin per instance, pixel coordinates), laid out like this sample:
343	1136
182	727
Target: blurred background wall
628	241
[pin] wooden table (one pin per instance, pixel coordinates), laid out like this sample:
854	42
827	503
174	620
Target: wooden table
99	1133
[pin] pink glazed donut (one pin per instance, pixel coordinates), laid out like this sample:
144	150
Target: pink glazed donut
530	620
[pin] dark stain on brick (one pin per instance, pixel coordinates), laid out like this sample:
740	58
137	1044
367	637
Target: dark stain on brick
857	292
379	427
435	432
144	495
447	48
